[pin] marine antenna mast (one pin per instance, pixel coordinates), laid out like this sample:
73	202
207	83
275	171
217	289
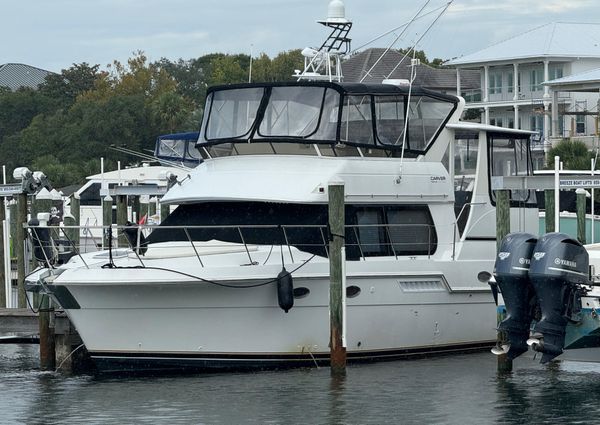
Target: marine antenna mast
325	63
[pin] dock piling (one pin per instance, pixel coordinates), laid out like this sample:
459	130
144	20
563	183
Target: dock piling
549	207
336	308
19	248
581	198
121	219
502	229
106	220
47	340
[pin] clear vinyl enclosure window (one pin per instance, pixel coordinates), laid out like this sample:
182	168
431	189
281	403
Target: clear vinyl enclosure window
389	114
292	112
356	125
232	112
510	157
425	117
172	148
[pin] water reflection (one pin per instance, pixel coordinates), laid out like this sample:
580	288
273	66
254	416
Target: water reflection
445	390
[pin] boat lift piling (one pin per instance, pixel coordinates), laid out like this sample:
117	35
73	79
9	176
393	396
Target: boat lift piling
337	338
107	202
581	199
121	219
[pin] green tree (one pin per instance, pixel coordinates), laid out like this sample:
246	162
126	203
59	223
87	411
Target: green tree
18	108
228	70
70	83
573	154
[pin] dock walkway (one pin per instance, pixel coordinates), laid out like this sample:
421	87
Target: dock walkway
18	326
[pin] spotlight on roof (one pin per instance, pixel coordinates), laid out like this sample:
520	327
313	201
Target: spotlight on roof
21	173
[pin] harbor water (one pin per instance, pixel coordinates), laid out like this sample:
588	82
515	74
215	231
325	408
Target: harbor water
457	389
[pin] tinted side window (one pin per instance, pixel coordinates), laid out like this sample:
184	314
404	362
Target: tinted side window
395	230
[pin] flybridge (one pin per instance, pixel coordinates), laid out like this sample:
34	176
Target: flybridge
342	119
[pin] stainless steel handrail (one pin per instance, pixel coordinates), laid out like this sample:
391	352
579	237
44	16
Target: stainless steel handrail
386	242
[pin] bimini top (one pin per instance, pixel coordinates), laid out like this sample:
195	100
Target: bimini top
337	118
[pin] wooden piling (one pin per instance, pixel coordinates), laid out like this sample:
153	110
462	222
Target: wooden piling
502	229
336	311
165	210
106	220
581	198
76	213
47	340
549	209
19	248
121	219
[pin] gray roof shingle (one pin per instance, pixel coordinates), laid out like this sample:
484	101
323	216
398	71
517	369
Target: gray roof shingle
16	75
357	66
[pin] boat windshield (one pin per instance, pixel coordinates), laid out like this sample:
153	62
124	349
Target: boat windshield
322	118
178	148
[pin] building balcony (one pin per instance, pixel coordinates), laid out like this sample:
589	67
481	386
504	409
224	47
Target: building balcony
474	98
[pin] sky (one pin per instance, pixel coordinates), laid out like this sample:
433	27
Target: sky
55	34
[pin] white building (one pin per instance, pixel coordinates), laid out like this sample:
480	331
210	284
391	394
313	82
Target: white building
513	72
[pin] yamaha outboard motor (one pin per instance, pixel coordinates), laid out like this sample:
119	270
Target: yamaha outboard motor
511	272
558	269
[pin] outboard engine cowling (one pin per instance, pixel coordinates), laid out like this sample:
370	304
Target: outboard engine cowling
558	269
511	273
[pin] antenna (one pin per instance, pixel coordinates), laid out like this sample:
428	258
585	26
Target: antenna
327	58
394	42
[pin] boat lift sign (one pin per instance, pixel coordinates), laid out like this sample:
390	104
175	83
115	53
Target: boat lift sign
577	183
10	189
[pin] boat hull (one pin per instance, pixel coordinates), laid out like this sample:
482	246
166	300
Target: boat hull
179	325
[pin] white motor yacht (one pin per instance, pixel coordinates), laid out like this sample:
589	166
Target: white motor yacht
200	290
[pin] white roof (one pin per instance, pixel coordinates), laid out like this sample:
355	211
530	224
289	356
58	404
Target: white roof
153	174
591	76
557	39
474	126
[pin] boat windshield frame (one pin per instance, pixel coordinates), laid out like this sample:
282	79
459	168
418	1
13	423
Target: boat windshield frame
333	99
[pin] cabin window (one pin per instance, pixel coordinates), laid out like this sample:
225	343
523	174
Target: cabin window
510	157
232	112
389	115
371	231
410	230
356	125
292	112
395	230
425	117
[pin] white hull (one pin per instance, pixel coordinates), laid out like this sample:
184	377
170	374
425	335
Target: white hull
165	321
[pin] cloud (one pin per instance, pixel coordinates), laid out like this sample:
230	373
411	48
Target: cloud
518	7
138	40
